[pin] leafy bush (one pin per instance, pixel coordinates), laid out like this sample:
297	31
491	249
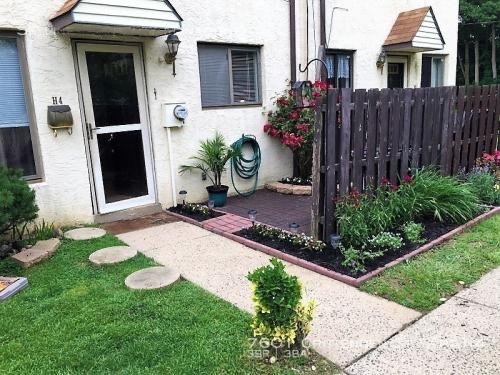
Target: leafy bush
297	239
484	186
280	316
17	204
362	216
412	232
356	260
445	198
387	241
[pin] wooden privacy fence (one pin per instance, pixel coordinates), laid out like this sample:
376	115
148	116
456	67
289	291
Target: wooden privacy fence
364	136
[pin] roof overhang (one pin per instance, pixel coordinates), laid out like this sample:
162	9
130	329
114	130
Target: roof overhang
149	18
415	31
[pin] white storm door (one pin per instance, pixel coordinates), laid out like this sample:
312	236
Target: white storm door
114	99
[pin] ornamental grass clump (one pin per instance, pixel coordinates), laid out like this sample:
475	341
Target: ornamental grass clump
282	319
485	186
445	198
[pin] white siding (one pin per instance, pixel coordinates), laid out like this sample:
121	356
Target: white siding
134	13
428	34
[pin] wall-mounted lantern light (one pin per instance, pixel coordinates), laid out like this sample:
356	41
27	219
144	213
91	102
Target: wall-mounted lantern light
172	46
382	57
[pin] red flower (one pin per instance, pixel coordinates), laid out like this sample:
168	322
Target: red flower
304	128
408	179
292	140
385	181
320	85
294	115
394	187
267	127
283	101
274	132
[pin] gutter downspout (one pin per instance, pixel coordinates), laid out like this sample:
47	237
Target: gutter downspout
172	172
293	43
322	23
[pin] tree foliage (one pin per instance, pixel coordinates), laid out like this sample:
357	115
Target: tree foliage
479	20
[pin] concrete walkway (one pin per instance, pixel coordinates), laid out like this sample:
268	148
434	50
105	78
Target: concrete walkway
348	323
460	337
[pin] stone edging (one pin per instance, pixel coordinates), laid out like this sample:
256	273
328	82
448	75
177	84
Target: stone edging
336	275
289	189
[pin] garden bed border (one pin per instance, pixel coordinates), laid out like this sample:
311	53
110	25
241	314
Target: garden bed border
356	282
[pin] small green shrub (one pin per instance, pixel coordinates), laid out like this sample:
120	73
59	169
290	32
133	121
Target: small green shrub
355	260
484	186
445	198
412	232
387	241
280	316
17	204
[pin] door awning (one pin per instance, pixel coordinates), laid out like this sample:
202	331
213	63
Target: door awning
117	17
415	31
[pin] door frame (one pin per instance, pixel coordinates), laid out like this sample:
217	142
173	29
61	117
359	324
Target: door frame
146	132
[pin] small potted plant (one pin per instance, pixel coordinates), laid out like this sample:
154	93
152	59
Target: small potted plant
211	160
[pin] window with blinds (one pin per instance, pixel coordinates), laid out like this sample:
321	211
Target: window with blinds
229	75
16	149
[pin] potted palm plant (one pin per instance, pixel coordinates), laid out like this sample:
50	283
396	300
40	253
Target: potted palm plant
211	160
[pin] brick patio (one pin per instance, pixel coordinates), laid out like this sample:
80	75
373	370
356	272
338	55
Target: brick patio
275	209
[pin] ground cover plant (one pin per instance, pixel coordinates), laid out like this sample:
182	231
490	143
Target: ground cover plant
421	282
78	318
196	211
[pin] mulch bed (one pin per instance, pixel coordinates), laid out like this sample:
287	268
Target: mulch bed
195	216
332	259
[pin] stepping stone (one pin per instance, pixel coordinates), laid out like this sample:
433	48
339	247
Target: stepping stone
40	251
112	255
80	234
152	278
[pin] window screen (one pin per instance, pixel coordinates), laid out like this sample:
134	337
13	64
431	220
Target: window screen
229	75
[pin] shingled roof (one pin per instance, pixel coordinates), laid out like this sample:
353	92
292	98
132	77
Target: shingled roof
419	21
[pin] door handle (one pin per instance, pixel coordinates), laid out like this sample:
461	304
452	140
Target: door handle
90	130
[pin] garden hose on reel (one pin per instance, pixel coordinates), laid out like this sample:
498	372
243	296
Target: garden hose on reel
246	168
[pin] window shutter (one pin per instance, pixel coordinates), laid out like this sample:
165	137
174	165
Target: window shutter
214	75
245	76
12	100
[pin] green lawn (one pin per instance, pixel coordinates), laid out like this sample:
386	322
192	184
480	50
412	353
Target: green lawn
420	282
77	318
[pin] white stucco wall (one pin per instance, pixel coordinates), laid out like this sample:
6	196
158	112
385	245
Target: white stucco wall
364	26
64	195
